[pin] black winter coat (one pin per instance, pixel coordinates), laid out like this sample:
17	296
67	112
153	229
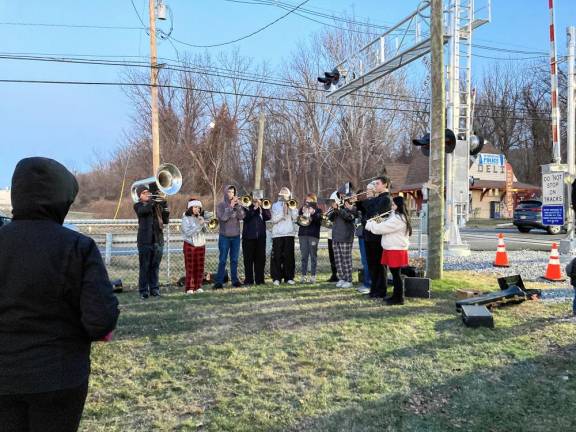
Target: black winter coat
254	226
312	230
373	207
149	231
55	295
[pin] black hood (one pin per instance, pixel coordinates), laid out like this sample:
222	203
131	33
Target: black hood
42	189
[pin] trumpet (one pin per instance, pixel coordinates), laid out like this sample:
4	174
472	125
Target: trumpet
212	225
246	201
292	204
378	218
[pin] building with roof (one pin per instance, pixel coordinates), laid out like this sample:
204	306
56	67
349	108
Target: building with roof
487	195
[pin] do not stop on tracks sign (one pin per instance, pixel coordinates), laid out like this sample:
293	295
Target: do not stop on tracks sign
553	198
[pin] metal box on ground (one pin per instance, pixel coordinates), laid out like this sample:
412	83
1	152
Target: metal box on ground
417	287
477	316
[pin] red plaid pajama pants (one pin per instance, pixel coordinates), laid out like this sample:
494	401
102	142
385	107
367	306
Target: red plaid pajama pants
194	262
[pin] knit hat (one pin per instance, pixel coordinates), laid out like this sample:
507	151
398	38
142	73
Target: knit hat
284	193
194	203
141	189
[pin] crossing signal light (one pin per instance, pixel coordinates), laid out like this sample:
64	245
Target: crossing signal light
330	78
476	144
424	142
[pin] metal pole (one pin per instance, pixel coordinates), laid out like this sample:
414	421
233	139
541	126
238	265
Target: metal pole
571	127
436	161
259	151
154	89
556	157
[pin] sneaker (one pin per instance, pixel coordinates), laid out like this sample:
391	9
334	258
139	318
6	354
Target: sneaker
332	279
339	283
217	286
304	279
312	279
155	293
144	296
346	284
290	282
237	284
190	291
199	290
276	282
363	290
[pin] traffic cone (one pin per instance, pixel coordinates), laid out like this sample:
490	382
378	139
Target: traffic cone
554	271
501	254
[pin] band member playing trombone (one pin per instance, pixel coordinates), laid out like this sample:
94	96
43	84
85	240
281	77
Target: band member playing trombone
254	242
395	231
309	219
229	213
152	215
193	229
284	214
342	216
377	203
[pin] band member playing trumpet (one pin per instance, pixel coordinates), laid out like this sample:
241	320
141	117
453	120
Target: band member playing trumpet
309	236
229	213
395	231
377	202
283	218
193	229
342	240
254	242
152	215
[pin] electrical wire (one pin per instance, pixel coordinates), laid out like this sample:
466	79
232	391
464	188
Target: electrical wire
98	27
144	27
241	94
242	37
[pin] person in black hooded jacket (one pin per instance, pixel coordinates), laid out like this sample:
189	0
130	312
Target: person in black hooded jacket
55	300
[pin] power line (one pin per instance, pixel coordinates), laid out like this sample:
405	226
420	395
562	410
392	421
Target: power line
242	37
99	27
232	93
207	71
138	15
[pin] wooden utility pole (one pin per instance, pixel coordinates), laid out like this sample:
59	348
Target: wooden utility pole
154	89
259	151
436	160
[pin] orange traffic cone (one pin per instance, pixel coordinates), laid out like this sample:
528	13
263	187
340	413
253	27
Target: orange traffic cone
501	254
554	271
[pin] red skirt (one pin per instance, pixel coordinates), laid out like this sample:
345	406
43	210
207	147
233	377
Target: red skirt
394	258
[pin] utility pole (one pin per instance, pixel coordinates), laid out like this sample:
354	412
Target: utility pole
154	89
259	151
571	129
436	162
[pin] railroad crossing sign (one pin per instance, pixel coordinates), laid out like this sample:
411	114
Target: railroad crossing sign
553	198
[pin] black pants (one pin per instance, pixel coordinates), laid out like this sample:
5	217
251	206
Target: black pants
332	260
149	257
378	272
254	251
57	411
398	293
282	262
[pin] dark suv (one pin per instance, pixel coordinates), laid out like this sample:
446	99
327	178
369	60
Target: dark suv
4	219
528	215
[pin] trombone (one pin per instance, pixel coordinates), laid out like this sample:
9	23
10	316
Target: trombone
379	218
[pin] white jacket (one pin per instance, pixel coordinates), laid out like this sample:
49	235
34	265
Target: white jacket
193	232
283	223
393	231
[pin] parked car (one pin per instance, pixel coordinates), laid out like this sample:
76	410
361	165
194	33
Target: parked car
528	215
5	219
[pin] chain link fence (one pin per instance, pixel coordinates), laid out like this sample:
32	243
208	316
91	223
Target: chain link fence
116	240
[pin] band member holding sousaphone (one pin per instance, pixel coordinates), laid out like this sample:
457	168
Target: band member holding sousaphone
152	214
194	228
309	220
284	214
229	213
254	242
343	217
376	203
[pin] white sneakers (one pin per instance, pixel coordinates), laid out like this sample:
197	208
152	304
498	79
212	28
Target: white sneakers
276	282
363	290
312	279
290	282
304	279
346	284
339	283
199	290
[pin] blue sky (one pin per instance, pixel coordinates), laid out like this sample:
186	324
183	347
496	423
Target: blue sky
76	124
